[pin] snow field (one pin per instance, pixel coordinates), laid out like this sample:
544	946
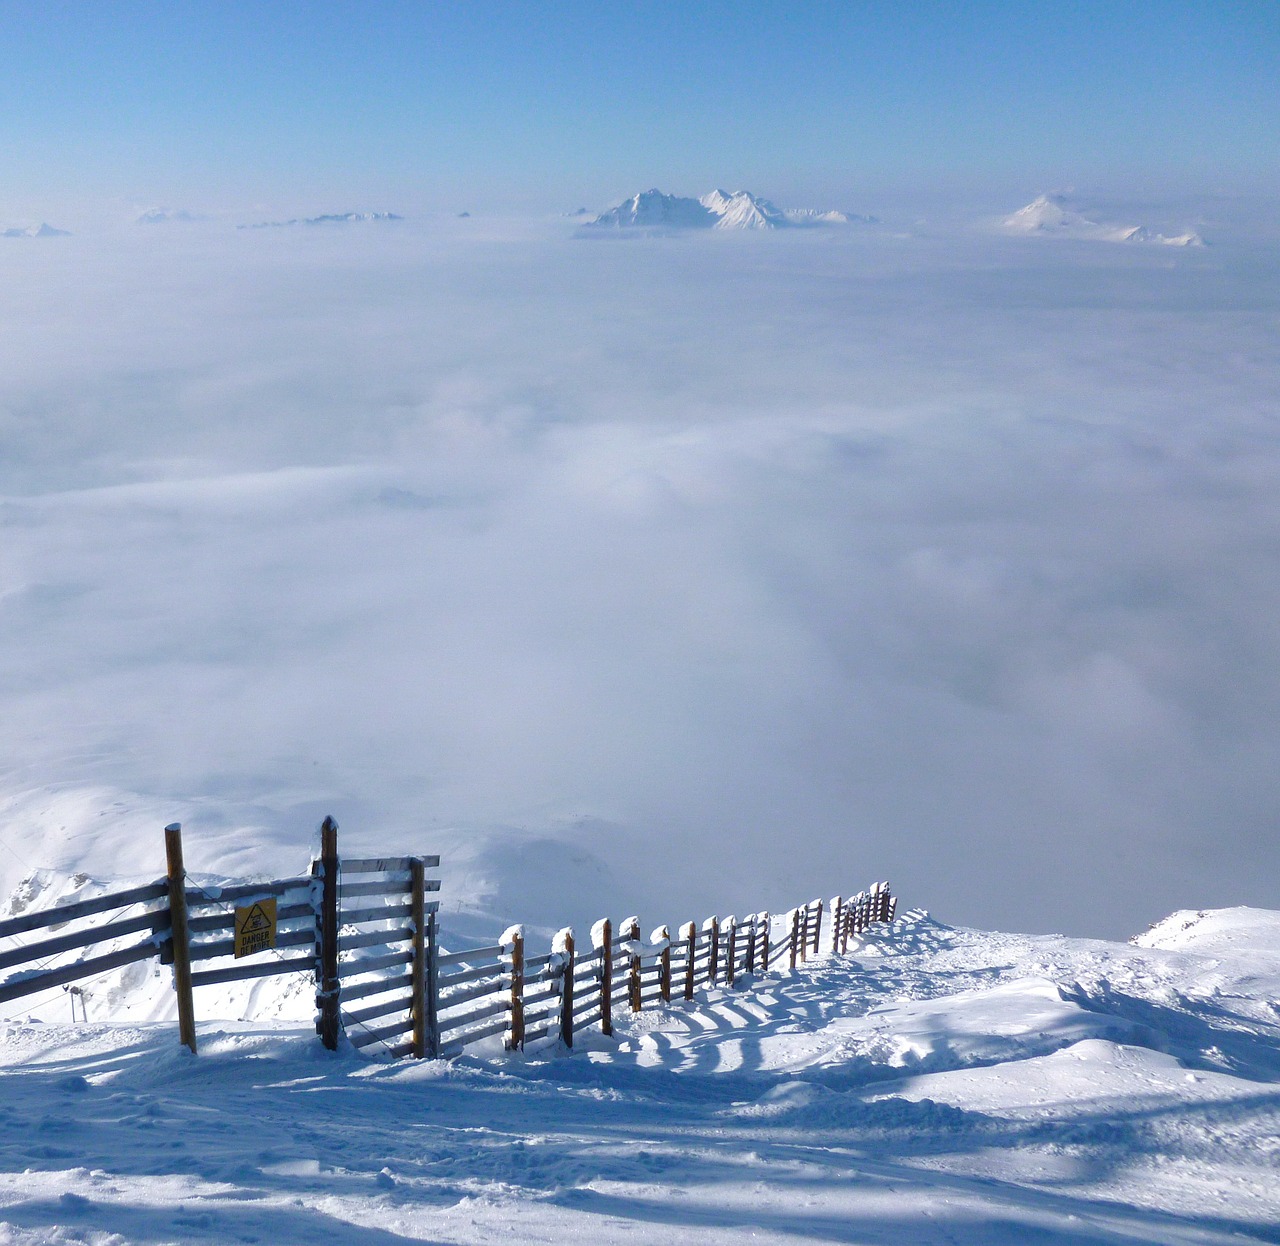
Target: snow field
940	1085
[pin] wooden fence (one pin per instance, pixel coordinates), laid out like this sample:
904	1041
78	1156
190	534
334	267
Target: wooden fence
367	932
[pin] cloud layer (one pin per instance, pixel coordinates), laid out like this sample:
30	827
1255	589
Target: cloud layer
724	571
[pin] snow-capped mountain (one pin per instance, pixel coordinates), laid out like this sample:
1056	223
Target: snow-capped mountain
718	209
1052	215
43	230
651	209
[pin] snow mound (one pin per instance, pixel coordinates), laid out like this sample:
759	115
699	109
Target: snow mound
1217	932
1053	215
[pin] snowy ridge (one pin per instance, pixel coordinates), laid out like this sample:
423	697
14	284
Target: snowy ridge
165	216
939	1086
328	218
1052	215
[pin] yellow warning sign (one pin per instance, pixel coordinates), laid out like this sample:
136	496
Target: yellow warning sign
255	927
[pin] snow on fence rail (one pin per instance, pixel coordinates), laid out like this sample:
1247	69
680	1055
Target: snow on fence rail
372	944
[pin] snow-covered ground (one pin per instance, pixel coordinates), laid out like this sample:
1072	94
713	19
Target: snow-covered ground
941	1085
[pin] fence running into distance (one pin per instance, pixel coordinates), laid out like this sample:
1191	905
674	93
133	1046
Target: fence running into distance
371	941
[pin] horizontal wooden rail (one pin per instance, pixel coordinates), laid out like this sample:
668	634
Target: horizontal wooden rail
397	887
477	974
466	995
358	1016
29	984
459	1041
227	947
202	897
384	865
371	964
364	1035
259	969
64	913
491	1009
208	922
29	952
463	958
380	986
373	938
387	912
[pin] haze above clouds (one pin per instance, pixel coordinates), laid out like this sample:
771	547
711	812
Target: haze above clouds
794	557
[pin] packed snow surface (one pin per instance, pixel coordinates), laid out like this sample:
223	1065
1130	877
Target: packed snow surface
938	1085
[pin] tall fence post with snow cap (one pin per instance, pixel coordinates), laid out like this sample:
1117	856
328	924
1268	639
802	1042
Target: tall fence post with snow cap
563	948
602	935
817	927
749	959
663	936
513	936
730	949
837	911
795	936
329	1018
689	933
712	926
633	954
433	987
181	936
764	941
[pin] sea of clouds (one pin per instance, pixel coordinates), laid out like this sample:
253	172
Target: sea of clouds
679	574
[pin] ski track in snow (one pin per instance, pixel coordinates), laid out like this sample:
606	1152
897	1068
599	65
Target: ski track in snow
940	1086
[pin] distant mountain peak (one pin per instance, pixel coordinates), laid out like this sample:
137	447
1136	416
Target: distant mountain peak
717	209
327	218
163	216
1051	214
43	230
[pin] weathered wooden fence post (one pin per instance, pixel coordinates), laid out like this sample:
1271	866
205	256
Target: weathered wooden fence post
663	935
604	932
817	927
180	933
749	959
689	933
633	977
329	1020
417	900
433	987
515	1036
563	946
712	925
795	936
884	902
764	942
730	950
893	908
837	912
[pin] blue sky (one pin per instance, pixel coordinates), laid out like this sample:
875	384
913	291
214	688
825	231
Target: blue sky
437	104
